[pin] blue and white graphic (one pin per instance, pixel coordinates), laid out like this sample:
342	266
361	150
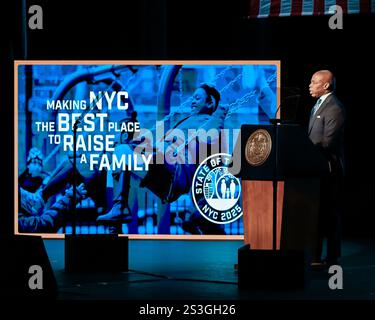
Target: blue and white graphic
216	192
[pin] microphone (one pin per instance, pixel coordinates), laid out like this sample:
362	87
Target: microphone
275	120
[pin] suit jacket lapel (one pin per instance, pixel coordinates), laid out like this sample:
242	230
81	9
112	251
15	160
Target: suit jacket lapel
320	110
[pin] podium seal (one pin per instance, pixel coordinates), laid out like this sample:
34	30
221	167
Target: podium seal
258	147
216	192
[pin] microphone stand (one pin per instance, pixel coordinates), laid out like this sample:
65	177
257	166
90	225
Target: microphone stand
275	123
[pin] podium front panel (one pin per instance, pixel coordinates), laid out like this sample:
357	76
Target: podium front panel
263	171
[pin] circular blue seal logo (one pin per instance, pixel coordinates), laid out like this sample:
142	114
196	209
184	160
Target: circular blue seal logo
216	192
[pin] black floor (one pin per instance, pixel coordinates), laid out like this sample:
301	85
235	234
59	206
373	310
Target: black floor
175	270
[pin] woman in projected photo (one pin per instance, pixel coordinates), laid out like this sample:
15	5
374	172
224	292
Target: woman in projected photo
170	181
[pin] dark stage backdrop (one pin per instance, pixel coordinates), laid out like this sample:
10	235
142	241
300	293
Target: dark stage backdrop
196	30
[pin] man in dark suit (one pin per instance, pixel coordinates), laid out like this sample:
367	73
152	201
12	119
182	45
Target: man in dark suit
326	131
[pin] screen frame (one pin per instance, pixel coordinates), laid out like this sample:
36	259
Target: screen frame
18	63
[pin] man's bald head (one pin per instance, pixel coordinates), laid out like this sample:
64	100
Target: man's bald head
327	77
321	83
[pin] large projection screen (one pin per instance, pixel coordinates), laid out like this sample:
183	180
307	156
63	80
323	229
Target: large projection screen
116	102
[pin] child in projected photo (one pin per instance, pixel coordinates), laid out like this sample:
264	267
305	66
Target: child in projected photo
33	178
35	217
34	214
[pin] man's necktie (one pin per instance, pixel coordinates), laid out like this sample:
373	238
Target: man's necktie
316	107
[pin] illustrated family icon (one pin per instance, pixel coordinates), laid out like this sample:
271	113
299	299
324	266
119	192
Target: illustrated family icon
227	193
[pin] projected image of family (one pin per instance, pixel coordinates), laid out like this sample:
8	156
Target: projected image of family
114	148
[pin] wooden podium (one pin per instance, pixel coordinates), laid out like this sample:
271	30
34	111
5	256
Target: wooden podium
294	165
257	213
